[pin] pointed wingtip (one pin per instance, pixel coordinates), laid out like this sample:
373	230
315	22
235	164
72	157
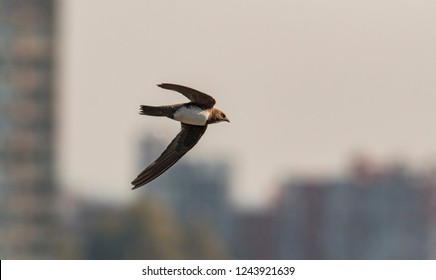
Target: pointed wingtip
135	186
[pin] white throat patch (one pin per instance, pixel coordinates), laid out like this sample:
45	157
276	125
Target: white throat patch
191	115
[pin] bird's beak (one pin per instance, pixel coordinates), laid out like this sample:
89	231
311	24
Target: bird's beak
227	120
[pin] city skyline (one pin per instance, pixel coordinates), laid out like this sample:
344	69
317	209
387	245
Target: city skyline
330	156
376	212
327	80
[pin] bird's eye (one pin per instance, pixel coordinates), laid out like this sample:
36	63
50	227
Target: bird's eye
223	115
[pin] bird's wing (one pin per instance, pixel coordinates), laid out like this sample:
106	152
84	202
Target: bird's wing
181	144
195	96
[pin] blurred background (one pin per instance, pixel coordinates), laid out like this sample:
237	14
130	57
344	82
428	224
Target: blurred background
330	153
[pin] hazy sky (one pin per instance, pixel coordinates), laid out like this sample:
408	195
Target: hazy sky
305	84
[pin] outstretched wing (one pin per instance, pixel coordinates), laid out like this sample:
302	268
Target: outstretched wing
181	144
195	96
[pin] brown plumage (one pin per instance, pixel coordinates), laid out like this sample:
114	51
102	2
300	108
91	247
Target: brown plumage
194	117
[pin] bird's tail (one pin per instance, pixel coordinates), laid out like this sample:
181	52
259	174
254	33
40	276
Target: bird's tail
159	111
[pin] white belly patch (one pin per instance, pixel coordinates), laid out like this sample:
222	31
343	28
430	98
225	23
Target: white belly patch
191	115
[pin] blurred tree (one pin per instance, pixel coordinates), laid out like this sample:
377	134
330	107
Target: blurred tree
144	230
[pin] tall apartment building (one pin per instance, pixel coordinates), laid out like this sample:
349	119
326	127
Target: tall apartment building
384	216
26	129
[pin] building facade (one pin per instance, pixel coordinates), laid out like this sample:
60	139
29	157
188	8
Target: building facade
26	129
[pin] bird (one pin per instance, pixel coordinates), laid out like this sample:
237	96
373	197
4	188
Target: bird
194	117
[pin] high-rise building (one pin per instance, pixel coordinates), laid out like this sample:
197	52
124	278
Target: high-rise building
383	216
26	129
195	192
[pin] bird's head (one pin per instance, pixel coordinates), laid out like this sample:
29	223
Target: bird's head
217	116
